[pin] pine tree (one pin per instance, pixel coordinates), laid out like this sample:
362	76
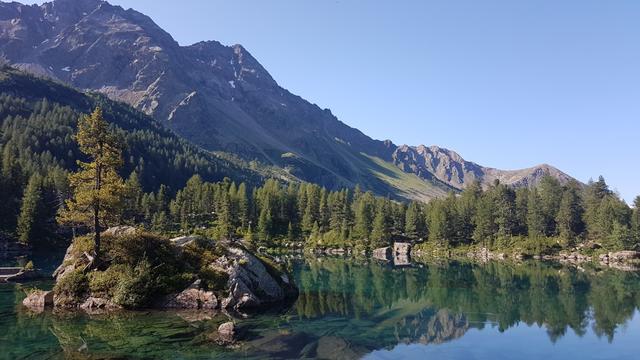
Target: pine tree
594	194
224	228
265	225
535	215
442	220
97	187
506	219
132	199
569	219
381	230
484	221
414	221
243	205
291	235
363	217
466	210
31	223
550	197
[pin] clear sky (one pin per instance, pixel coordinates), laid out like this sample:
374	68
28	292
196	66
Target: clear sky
505	83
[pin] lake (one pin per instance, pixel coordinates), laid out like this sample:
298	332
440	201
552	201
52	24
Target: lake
351	309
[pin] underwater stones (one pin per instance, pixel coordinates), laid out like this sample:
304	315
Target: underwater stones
191	298
39	300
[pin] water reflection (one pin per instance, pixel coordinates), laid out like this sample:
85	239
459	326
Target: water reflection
349	308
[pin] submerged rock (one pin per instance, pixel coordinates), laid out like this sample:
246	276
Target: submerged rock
191	298
24	275
39	300
96	304
226	333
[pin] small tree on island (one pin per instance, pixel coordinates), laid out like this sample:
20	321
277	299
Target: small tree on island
97	188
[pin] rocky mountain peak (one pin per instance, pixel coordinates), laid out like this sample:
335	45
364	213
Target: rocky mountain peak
221	98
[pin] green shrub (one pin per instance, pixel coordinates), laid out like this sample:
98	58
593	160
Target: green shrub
136	286
213	279
104	283
73	286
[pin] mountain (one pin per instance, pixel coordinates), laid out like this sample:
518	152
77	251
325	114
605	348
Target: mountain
38	119
449	167
218	97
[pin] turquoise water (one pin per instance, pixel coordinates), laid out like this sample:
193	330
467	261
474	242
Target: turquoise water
358	309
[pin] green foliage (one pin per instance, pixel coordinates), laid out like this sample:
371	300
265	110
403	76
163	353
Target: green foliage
32	222
72	286
136	286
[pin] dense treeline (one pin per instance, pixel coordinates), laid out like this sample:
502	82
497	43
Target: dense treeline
38	120
39	148
500	216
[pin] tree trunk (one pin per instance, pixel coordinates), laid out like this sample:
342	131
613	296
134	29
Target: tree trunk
96	213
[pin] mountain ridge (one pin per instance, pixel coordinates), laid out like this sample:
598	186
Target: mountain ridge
221	99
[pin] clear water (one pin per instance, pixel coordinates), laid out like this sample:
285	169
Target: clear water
357	309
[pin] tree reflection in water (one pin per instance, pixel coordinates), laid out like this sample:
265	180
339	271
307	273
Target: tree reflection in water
348	308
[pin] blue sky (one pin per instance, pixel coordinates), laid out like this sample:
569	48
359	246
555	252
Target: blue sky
506	83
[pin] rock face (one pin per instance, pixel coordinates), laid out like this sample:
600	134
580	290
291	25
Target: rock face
221	98
70	263
252	283
39	300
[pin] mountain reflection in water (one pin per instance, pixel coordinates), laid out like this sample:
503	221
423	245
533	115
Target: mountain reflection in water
350	308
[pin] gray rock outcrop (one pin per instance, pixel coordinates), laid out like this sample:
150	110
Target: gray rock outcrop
252	283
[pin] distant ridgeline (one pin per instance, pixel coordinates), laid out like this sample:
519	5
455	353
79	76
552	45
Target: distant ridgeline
38	119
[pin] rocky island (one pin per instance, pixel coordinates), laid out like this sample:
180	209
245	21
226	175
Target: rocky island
144	270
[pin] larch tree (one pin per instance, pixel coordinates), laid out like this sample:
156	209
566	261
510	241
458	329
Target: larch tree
97	189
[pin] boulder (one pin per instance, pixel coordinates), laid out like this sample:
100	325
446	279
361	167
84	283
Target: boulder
191	298
121	230
227	333
182	241
252	283
384	253
39	300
